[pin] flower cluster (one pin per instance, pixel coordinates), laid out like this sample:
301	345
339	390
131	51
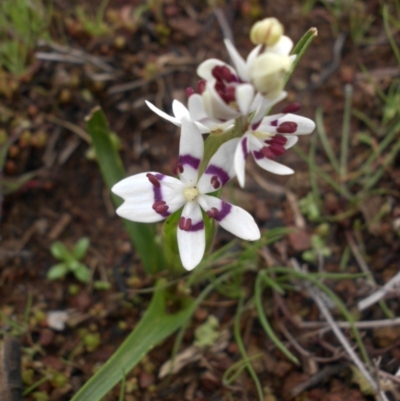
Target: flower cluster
229	100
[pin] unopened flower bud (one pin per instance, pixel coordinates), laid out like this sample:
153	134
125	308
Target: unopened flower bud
266	32
268	72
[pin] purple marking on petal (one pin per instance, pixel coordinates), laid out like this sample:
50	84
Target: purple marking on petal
245	150
158	194
225	210
222	175
274	123
197	227
255	125
189	160
258	155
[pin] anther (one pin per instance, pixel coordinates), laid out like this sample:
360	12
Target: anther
276	149
288	127
227	93
153	179
215	182
223	73
278	139
212	213
160	207
177	169
267	152
291	108
185	224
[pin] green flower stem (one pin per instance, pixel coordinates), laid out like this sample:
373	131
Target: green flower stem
216	139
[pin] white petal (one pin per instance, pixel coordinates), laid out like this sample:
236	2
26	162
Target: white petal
220	166
265	105
284	46
214	106
192	243
140	194
197	113
237	60
265	163
191	149
252	56
244	97
156	110
233	218
270	123
304	125
291	141
204	70
239	162
179	110
273	166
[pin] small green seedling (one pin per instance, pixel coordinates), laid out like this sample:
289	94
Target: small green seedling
69	260
318	248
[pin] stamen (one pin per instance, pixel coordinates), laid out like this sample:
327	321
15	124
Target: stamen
278	139
267	152
291	108
185	224
189	92
212	213
215	182
178	169
153	179
276	149
288	127
160	207
223	73
227	93
201	85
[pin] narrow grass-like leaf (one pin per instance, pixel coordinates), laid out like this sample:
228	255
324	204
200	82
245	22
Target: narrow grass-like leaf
313	176
319	122
385	15
156	325
242	349
326	177
264	322
143	236
344	146
301	47
334	298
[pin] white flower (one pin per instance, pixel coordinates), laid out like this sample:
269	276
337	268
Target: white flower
194	112
268	139
225	96
151	197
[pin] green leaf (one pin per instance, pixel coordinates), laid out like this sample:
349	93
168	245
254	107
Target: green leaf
301	47
81	248
156	325
82	273
57	271
60	251
143	236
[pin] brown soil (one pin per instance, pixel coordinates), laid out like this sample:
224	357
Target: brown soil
67	199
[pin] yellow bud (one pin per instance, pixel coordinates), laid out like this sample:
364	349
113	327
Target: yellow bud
266	32
268	73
